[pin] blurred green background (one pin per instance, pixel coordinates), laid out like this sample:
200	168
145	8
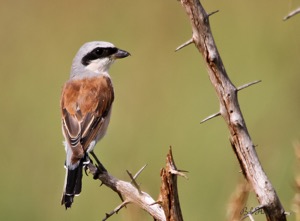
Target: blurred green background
161	96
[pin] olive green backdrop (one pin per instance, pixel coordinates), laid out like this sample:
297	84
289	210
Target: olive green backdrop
161	96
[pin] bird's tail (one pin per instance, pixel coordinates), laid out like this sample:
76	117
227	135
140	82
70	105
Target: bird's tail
73	183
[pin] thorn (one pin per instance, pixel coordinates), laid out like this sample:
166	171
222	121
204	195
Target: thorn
183	171
133	181
248	85
185	44
210	117
291	14
214	12
178	173
139	172
251	217
106	217
115	211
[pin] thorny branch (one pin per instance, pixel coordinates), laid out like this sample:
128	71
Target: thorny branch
230	111
128	193
166	208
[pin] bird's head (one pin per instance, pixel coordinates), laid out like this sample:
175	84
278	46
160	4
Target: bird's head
96	57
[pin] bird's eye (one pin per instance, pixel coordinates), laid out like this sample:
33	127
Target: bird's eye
99	51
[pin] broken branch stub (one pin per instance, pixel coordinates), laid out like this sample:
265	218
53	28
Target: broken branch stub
168	197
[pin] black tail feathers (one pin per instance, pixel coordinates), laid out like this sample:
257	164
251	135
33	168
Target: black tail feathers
73	183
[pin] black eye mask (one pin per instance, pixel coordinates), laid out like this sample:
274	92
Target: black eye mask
96	54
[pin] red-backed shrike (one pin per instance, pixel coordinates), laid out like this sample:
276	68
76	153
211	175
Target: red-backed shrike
86	103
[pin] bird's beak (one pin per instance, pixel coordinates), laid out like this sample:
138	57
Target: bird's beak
121	54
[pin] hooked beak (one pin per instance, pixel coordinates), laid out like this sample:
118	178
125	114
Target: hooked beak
121	54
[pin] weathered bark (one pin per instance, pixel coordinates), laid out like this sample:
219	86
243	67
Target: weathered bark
166	208
128	192
168	197
230	111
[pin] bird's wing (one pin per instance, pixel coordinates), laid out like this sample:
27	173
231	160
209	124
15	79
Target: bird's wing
85	103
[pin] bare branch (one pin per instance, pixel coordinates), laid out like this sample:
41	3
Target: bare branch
230	111
167	203
128	192
291	14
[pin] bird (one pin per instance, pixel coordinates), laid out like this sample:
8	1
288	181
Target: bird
86	104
